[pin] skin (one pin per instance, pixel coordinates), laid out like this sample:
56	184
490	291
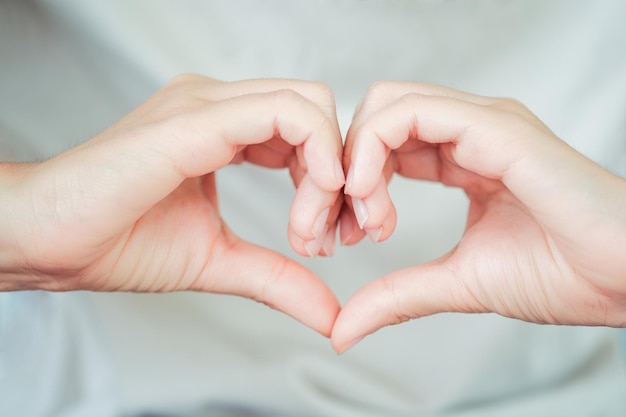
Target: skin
546	228
136	209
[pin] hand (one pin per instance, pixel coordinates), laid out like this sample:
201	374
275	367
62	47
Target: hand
546	228
135	208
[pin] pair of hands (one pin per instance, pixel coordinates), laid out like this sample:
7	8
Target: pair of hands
135	208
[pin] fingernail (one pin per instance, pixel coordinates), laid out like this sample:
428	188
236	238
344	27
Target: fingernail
312	247
360	211
345	229
352	344
374	234
339	172
238	159
349	179
346	239
320	223
329	242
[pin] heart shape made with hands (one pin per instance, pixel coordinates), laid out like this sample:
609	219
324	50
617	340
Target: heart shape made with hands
517	257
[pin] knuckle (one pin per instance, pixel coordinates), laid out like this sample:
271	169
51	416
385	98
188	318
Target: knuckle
380	88
324	96
383	92
177	98
396	304
267	291
363	130
286	95
320	87
178	104
411	98
184	79
509	104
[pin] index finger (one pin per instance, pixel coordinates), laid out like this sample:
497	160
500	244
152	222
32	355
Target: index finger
144	164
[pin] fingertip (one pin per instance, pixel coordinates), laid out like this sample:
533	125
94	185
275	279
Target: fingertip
320	228
301	247
269	277
323	165
403	295
326	319
349	181
389	225
312	210
344	347
356	236
339	174
375	214
328	243
349	232
368	159
361	212
312	247
346	226
353	323
374	233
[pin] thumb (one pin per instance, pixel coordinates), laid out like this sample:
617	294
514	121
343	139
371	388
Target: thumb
405	294
244	269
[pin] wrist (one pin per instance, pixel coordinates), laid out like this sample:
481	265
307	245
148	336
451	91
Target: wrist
14	271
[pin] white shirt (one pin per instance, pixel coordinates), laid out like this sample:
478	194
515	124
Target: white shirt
76	67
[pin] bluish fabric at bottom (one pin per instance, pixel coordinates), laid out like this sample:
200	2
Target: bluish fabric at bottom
215	410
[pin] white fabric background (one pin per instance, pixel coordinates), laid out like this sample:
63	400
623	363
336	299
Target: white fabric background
70	68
